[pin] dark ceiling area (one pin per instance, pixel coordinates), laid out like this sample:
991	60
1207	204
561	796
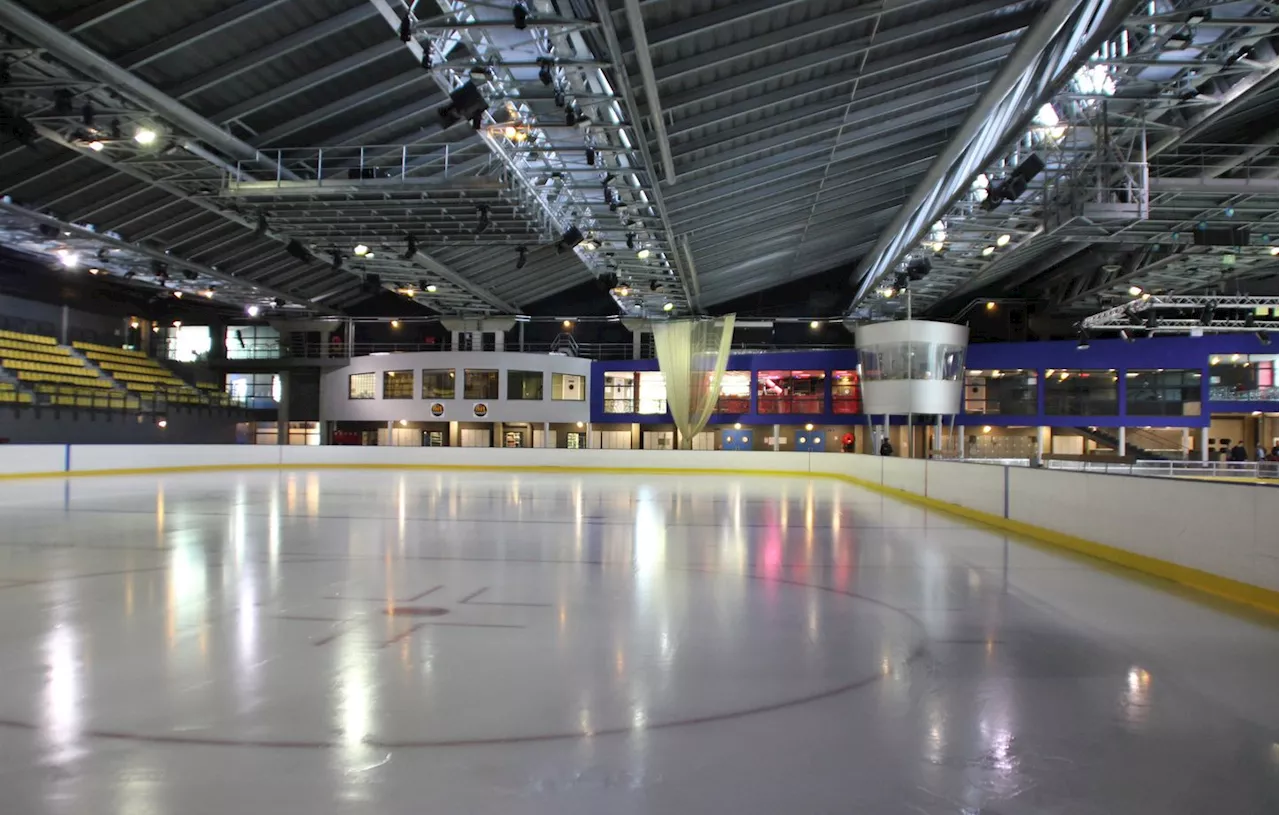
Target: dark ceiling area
825	159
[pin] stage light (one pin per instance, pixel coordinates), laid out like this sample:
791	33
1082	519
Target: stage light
134	324
520	16
667	306
208	293
988	251
991	305
643	254
1135	291
591	157
361	250
253	311
544	71
814	325
938	246
162	424
1082	344
1003	240
426	58
144	136
96	146
68	258
395	323
567	324
1153	321
431	289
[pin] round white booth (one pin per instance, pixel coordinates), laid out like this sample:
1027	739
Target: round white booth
911	367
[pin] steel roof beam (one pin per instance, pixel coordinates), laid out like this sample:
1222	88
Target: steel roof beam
635	22
1048	47
285	45
344	105
190	35
96	13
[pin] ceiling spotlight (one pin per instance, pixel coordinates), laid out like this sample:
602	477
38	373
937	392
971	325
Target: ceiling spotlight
426	57
278	302
361	250
570	117
115	131
667	306
544	72
991	305
522	256
252	311
95	145
814	325
938	246
208	293
559	98
395	323
68	258
1135	291
1003	240
643	254
422	285
410	247
1275	250
95	271
479	74
623	290
520	15
431	289
631	241
482	218
591	156
1206	313
406	29
178	294
655	285
988	251
144	136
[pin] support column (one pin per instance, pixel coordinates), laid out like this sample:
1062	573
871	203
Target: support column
588	427
637	344
777	431
499	340
1204	445
66	319
1123	446
477	340
455	436
1040	434
937	435
282	410
546	432
1186	439
964	437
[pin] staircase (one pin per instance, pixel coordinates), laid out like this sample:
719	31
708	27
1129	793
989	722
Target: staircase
565	345
1130	449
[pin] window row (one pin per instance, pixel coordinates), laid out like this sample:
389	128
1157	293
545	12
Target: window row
645	392
476	384
1081	392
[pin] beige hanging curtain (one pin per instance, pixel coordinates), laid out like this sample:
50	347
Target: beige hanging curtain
692	355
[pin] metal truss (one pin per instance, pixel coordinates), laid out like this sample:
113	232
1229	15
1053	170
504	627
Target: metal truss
1128	182
603	186
1182	314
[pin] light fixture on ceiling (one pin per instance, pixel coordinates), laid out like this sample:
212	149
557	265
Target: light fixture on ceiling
395	323
1206	313
988	251
591	156
520	16
68	258
145	136
938	246
361	250
544	72
643	254
1125	335
566	324
208	293
668	306
431	288
1135	291
1004	239
991	305
1082	344
252	311
178	294
96	146
814	325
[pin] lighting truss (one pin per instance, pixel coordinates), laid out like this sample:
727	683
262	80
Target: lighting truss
1230	314
1127	105
559	184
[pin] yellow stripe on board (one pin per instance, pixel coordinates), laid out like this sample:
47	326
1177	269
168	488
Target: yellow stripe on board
1255	597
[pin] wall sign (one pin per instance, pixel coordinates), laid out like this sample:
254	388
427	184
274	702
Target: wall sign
480	409
437	409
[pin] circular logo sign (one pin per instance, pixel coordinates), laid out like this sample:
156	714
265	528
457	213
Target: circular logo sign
437	409
480	409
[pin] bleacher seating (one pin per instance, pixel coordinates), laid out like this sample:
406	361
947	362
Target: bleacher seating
41	365
139	373
9	394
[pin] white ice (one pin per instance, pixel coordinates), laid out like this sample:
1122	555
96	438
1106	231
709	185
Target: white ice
384	642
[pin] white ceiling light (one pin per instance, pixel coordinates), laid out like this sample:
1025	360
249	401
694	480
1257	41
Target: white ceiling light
431	288
668	306
253	311
988	251
1003	240
68	258
361	250
144	136
95	145
643	254
1134	291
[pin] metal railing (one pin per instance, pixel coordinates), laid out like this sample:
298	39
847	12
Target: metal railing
1228	393
1250	470
601	351
341	167
158	401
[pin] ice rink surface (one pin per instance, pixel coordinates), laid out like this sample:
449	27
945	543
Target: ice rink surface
384	642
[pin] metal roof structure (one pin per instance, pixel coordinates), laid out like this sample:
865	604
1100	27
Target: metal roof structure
482	156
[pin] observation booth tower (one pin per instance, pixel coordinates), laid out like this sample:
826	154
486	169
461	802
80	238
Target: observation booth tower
911	368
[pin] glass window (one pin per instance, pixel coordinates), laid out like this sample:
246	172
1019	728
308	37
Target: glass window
1081	393
1162	392
568	387
397	384
912	360
438	383
524	385
252	342
735	392
1243	378
653	393
1003	392
362	386
619	392
479	384
790	391
846	392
